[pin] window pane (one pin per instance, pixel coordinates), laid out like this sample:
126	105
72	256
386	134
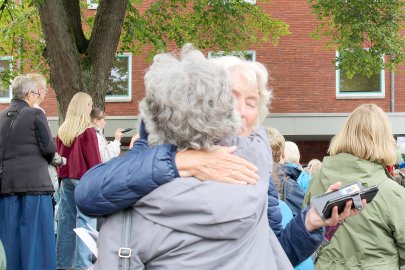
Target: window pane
4	87
118	81
248	55
359	83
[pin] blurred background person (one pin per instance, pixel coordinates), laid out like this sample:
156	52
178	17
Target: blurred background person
360	151
77	141
289	192
26	214
314	165
292	161
42	89
108	150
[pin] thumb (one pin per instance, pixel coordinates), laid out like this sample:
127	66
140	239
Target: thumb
335	186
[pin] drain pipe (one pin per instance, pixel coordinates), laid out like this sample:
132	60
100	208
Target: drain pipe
392	90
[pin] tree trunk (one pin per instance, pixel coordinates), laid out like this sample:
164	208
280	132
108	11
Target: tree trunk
78	65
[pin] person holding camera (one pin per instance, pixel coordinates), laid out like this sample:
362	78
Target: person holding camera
108	150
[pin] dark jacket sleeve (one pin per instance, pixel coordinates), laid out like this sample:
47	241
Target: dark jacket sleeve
119	183
296	241
46	144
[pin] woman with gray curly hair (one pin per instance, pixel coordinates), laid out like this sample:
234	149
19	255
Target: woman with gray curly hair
189	224
188	102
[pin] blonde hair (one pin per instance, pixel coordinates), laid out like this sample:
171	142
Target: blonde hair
367	135
277	144
39	80
77	118
314	165
292	154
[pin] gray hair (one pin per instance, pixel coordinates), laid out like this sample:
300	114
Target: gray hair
255	74
22	85
188	102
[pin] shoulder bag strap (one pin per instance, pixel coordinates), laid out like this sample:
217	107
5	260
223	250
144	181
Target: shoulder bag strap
125	251
14	114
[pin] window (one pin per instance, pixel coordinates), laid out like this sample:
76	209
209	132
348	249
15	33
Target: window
119	85
92	4
248	55
5	88
360	86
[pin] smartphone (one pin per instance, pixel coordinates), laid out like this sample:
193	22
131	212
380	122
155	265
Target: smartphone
126	130
324	203
368	194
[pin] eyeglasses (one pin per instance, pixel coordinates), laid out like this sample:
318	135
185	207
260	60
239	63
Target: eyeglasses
36	93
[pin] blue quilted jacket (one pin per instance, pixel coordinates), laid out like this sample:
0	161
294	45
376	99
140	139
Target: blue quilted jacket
110	187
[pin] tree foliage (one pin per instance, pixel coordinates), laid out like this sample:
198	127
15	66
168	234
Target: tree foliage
30	32
362	31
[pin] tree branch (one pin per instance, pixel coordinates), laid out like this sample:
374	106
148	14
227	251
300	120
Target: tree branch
72	8
3	6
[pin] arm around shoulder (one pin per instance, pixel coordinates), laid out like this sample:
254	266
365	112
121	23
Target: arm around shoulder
121	182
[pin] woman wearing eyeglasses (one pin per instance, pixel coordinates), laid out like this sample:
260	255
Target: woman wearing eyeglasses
26	148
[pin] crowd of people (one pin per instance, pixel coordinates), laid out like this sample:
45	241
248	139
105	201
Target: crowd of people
203	186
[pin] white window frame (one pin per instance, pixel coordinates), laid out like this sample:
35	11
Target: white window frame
7	99
253	2
91	5
357	95
253	52
128	97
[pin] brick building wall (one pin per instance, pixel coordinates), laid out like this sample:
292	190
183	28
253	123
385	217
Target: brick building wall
302	75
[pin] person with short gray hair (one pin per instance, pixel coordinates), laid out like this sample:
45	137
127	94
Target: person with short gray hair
22	86
26	149
187	223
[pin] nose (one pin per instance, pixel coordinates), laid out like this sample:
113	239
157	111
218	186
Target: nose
242	108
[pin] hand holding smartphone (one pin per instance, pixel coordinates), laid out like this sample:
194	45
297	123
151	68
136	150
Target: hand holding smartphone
354	192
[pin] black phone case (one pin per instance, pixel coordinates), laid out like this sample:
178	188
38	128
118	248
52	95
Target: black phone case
367	193
126	130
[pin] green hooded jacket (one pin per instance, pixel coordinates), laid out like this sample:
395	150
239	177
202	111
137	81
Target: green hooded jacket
375	239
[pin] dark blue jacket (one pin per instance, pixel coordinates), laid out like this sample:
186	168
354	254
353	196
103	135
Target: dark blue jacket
121	182
296	241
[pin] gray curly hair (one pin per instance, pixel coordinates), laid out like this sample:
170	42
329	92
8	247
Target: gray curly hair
188	101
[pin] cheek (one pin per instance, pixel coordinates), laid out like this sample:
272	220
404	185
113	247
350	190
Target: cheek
251	117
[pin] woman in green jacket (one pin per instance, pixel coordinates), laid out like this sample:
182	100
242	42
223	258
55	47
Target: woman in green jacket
360	152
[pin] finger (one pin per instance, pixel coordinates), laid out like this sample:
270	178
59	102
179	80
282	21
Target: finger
242	162
333	187
334	219
246	176
347	211
234	181
364	202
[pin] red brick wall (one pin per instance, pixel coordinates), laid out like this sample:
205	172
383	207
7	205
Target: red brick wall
302	72
311	149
